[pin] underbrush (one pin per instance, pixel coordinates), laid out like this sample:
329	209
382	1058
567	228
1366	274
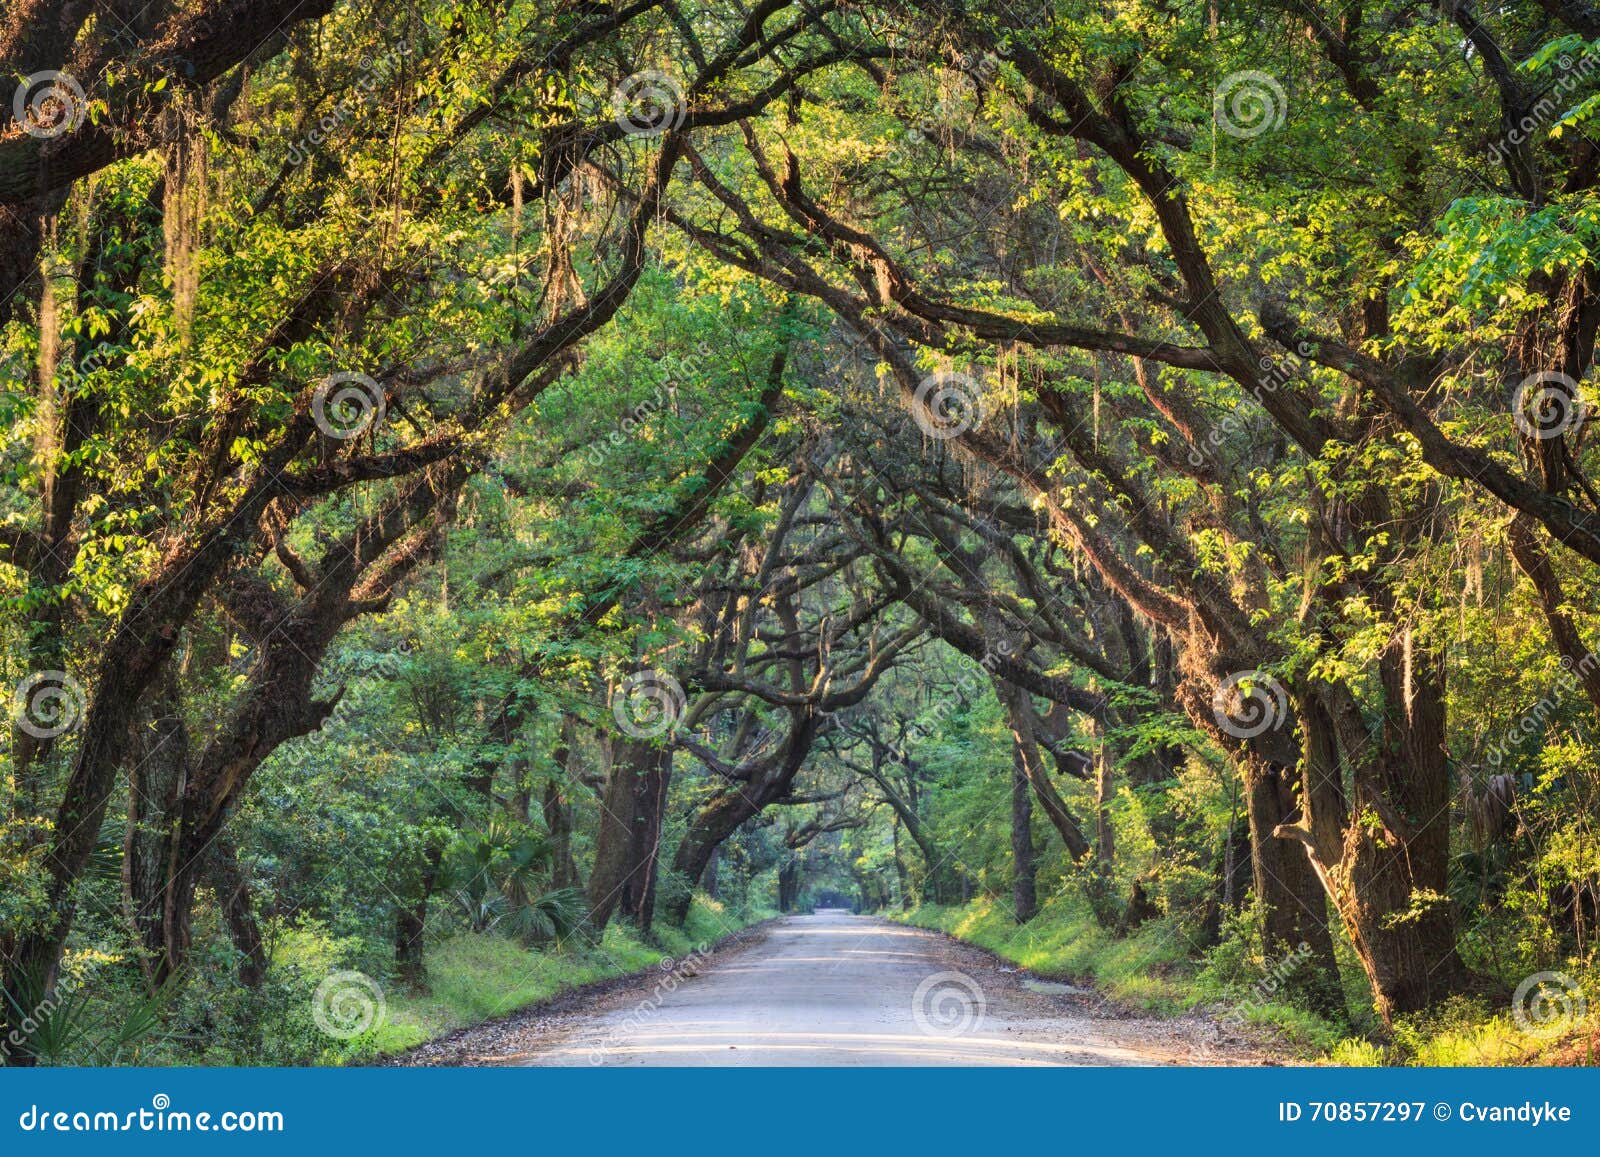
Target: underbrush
1469	1032
1156	970
326	999
477	977
1152	969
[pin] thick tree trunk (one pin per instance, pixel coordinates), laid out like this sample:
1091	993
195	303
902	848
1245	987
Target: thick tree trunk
1102	900
155	886
718	819
1019	718
629	840
1387	869
1294	909
708	879
238	911
1104	793
411	923
638	900
902	874
789	880
613	839
938	873
1288	891
1024	893
558	823
1234	882
721	816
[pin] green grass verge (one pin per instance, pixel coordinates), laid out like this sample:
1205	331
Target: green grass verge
1464	1031
1154	970
474	978
1150	970
1063	942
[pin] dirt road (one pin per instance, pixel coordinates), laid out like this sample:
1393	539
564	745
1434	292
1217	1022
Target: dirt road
838	989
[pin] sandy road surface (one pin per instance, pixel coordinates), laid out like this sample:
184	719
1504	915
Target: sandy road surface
838	989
